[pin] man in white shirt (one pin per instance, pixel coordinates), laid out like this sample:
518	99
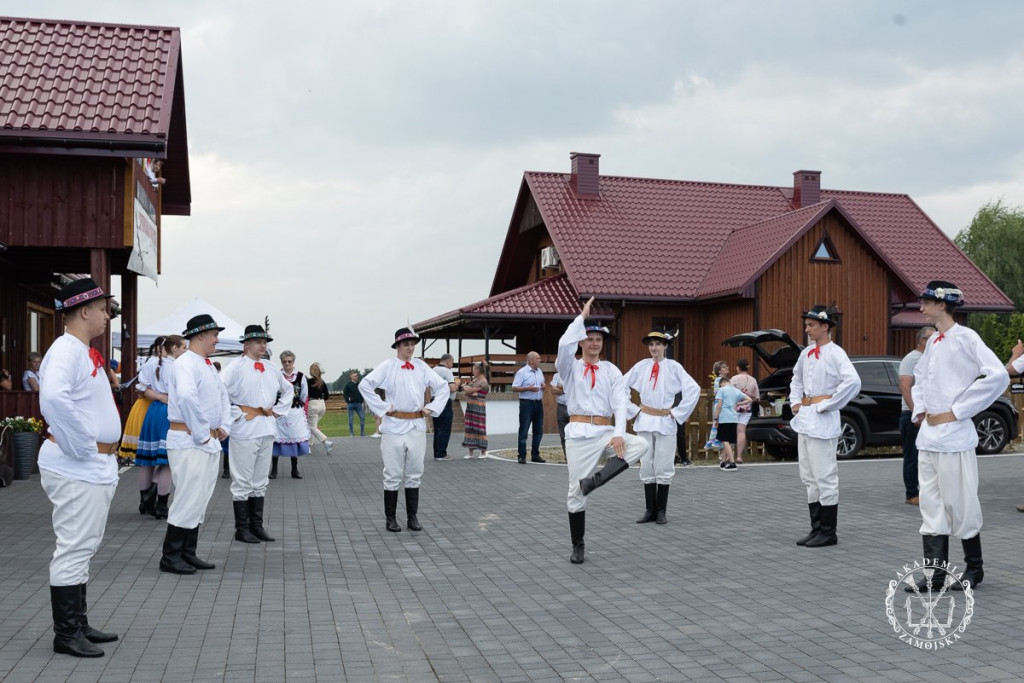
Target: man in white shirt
657	380
259	394
824	381
77	461
561	407
908	430
200	417
529	384
403	443
597	393
956	378
443	421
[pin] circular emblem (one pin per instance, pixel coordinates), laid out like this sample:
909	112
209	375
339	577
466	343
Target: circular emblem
923	608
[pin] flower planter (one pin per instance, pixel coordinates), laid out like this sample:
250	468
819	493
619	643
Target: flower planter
26	451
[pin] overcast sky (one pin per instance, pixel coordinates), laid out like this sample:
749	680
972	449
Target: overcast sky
354	164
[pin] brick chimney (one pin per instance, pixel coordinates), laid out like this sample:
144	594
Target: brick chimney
806	188
585	179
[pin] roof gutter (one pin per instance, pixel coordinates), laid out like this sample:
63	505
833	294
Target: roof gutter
113	145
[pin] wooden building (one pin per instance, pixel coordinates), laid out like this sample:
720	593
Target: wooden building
711	260
88	110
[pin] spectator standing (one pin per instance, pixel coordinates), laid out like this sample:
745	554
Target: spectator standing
748	385
476	411
529	384
443	422
30	379
727	400
908	430
292	429
354	404
561	407
319	392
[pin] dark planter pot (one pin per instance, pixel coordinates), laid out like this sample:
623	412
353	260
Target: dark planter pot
26	451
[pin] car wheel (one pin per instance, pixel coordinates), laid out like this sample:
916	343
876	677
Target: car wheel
850	438
780	452
993	432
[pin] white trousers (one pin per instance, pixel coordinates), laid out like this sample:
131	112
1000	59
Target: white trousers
657	466
79	519
582	456
403	459
194	472
317	409
949	493
818	469
249	463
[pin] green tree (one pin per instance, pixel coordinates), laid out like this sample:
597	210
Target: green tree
995	242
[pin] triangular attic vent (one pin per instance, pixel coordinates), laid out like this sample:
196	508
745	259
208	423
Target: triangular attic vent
825	251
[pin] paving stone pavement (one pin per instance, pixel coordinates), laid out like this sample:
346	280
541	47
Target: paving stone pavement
486	592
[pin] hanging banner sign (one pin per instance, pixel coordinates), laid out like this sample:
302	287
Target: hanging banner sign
143	259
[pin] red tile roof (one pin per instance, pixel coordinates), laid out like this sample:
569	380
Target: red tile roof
646	239
87	78
552	298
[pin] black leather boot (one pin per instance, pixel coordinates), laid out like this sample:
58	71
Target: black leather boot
188	550
273	467
147	499
936	549
390	505
614	467
577	527
412	506
256	520
68	639
226	474
173	545
651	498
242	532
972	558
815	510
827	533
160	509
295	469
91	634
662	503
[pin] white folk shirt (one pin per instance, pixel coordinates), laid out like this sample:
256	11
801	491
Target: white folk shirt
148	378
659	392
609	395
833	374
249	386
77	404
196	396
560	399
957	373
405	390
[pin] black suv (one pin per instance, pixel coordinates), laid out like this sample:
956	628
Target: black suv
870	419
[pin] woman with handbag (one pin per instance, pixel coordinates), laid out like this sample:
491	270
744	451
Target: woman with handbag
748	385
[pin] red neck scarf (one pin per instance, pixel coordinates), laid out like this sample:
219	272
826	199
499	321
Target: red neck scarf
592	369
97	359
654	374
208	361
408	366
942	335
816	352
259	366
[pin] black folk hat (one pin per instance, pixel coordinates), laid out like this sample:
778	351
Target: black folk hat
79	292
823	314
255	332
200	323
404	333
592	325
658	335
940	290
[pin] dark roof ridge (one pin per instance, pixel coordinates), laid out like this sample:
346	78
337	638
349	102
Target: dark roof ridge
707	183
85	22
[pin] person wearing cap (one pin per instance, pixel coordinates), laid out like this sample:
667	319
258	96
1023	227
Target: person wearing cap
597	393
956	378
200	416
657	380
824	381
403	445
259	395
78	460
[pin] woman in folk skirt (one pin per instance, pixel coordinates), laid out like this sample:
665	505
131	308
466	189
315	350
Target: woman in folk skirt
151	456
476	412
137	415
292	429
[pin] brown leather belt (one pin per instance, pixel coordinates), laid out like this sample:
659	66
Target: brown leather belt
811	400
656	412
406	416
102	448
251	413
940	418
180	427
599	420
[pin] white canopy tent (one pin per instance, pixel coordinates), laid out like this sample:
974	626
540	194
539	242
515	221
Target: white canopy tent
228	344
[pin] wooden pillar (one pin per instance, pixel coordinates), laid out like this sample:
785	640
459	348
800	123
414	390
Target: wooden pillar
99	269
487	345
129	324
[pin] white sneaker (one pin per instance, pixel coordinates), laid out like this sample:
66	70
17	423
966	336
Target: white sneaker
468	457
375	435
329	445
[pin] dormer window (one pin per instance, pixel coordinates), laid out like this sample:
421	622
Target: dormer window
825	251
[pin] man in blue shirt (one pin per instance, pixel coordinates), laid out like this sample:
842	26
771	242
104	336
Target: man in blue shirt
529	384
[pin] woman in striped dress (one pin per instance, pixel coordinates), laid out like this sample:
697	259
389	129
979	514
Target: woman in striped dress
476	412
